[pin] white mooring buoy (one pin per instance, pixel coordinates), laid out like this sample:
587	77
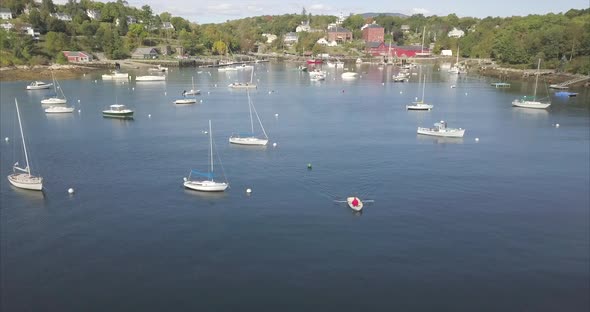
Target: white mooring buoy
476	139
149	115
6	139
556	125
70	191
248	191
274	144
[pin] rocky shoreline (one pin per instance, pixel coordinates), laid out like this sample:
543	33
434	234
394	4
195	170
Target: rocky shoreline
42	72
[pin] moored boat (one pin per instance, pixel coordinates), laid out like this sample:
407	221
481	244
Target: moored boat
206	185
39	85
22	177
349	75
59	109
118	111
525	102
440	129
150	78
115	75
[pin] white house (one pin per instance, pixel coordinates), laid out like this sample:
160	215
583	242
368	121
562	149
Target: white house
456	33
270	37
405	28
29	30
93	14
167	25
62	17
325	42
303	27
291	38
5	13
446	52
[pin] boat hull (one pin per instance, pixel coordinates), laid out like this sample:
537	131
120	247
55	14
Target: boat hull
206	186
530	104
419	107
447	133
54	101
358	206
126	115
248	141
59	110
26	181
115	77
185	101
242	86
39	87
150	78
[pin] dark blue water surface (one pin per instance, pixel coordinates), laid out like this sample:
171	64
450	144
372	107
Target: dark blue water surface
502	224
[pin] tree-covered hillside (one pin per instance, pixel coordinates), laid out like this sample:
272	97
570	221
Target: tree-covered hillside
119	29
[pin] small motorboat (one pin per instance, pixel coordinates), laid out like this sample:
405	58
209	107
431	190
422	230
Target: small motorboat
354	203
440	129
39	85
59	109
118	111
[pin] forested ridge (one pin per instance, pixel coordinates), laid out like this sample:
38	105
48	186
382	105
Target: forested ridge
561	40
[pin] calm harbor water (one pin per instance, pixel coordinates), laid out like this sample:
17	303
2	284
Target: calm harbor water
502	224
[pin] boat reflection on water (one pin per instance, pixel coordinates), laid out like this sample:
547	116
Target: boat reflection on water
440	140
212	196
530	113
36	198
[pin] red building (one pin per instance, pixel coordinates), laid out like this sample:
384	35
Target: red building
373	33
339	34
382	49
77	56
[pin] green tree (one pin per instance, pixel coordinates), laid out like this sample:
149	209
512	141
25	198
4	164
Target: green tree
219	48
55	42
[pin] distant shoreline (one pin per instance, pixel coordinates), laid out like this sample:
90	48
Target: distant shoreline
73	71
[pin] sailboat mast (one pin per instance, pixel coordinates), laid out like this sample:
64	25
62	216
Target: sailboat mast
211	145
22	137
250	108
423	87
537	78
252	75
259	121
423	32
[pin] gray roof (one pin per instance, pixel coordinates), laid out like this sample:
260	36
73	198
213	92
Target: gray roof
5	10
373	44
145	51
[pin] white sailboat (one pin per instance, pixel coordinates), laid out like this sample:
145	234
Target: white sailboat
455	68
528	103
239	85
250	139
55	99
420	105
205	185
193	91
188	100
22	177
